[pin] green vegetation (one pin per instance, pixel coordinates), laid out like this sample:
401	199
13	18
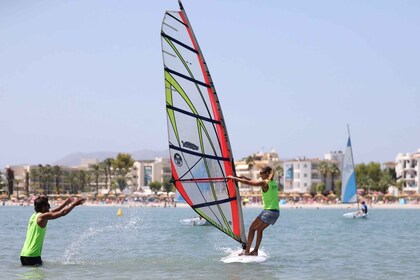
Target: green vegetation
371	177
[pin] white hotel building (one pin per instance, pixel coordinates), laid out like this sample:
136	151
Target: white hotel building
407	169
302	175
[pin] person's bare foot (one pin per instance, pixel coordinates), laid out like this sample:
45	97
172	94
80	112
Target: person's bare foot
244	253
253	253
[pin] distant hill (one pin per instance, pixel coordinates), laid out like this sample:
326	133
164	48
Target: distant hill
75	159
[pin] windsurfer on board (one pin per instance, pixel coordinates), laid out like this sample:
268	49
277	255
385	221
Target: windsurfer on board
270	198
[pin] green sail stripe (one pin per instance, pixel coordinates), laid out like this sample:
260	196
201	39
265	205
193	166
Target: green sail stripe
171	113
175	49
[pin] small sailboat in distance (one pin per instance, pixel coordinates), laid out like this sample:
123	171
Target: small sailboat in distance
200	153
349	185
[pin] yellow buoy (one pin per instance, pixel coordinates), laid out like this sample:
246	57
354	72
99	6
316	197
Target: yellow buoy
119	213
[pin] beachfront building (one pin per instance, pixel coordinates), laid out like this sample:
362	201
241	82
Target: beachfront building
146	171
407	169
251	165
43	179
56	179
303	174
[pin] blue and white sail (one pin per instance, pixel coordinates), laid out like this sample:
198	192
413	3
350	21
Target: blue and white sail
348	187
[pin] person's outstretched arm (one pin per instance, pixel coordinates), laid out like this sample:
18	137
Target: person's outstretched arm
59	208
251	182
45	217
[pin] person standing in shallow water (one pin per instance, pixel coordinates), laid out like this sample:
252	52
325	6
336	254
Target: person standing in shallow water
37	226
270	214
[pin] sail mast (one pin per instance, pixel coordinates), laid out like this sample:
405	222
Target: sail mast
222	120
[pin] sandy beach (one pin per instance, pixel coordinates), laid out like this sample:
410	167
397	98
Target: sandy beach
288	205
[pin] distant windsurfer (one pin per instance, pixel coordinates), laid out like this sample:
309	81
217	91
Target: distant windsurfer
37	226
270	214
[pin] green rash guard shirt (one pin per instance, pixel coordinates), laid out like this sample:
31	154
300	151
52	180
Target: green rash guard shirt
270	198
34	238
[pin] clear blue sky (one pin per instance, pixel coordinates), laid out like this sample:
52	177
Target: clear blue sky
87	76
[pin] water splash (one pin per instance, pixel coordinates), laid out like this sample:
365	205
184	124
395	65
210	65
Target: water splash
120	236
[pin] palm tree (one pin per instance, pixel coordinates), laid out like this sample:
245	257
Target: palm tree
72	181
48	176
82	178
334	171
34	178
122	165
17	182
57	173
106	165
27	182
96	170
323	170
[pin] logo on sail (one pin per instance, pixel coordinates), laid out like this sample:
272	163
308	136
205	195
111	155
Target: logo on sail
178	159
189	145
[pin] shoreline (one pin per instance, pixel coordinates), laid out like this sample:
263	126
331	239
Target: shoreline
251	205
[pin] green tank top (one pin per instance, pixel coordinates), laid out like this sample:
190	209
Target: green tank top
34	238
270	198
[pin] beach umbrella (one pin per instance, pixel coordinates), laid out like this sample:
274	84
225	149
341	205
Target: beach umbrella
332	196
282	195
319	196
307	195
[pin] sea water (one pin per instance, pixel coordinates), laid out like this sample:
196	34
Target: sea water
150	243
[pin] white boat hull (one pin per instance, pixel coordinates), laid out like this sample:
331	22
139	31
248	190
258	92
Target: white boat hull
194	222
355	215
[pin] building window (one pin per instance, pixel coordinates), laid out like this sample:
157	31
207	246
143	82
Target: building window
147	175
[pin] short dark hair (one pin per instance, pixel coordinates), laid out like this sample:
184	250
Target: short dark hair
40	202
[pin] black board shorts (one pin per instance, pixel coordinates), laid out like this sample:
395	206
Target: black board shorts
33	261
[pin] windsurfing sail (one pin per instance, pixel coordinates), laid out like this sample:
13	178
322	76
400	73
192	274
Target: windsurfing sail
199	148
348	175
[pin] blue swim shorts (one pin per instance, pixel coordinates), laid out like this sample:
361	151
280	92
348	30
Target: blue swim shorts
269	216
